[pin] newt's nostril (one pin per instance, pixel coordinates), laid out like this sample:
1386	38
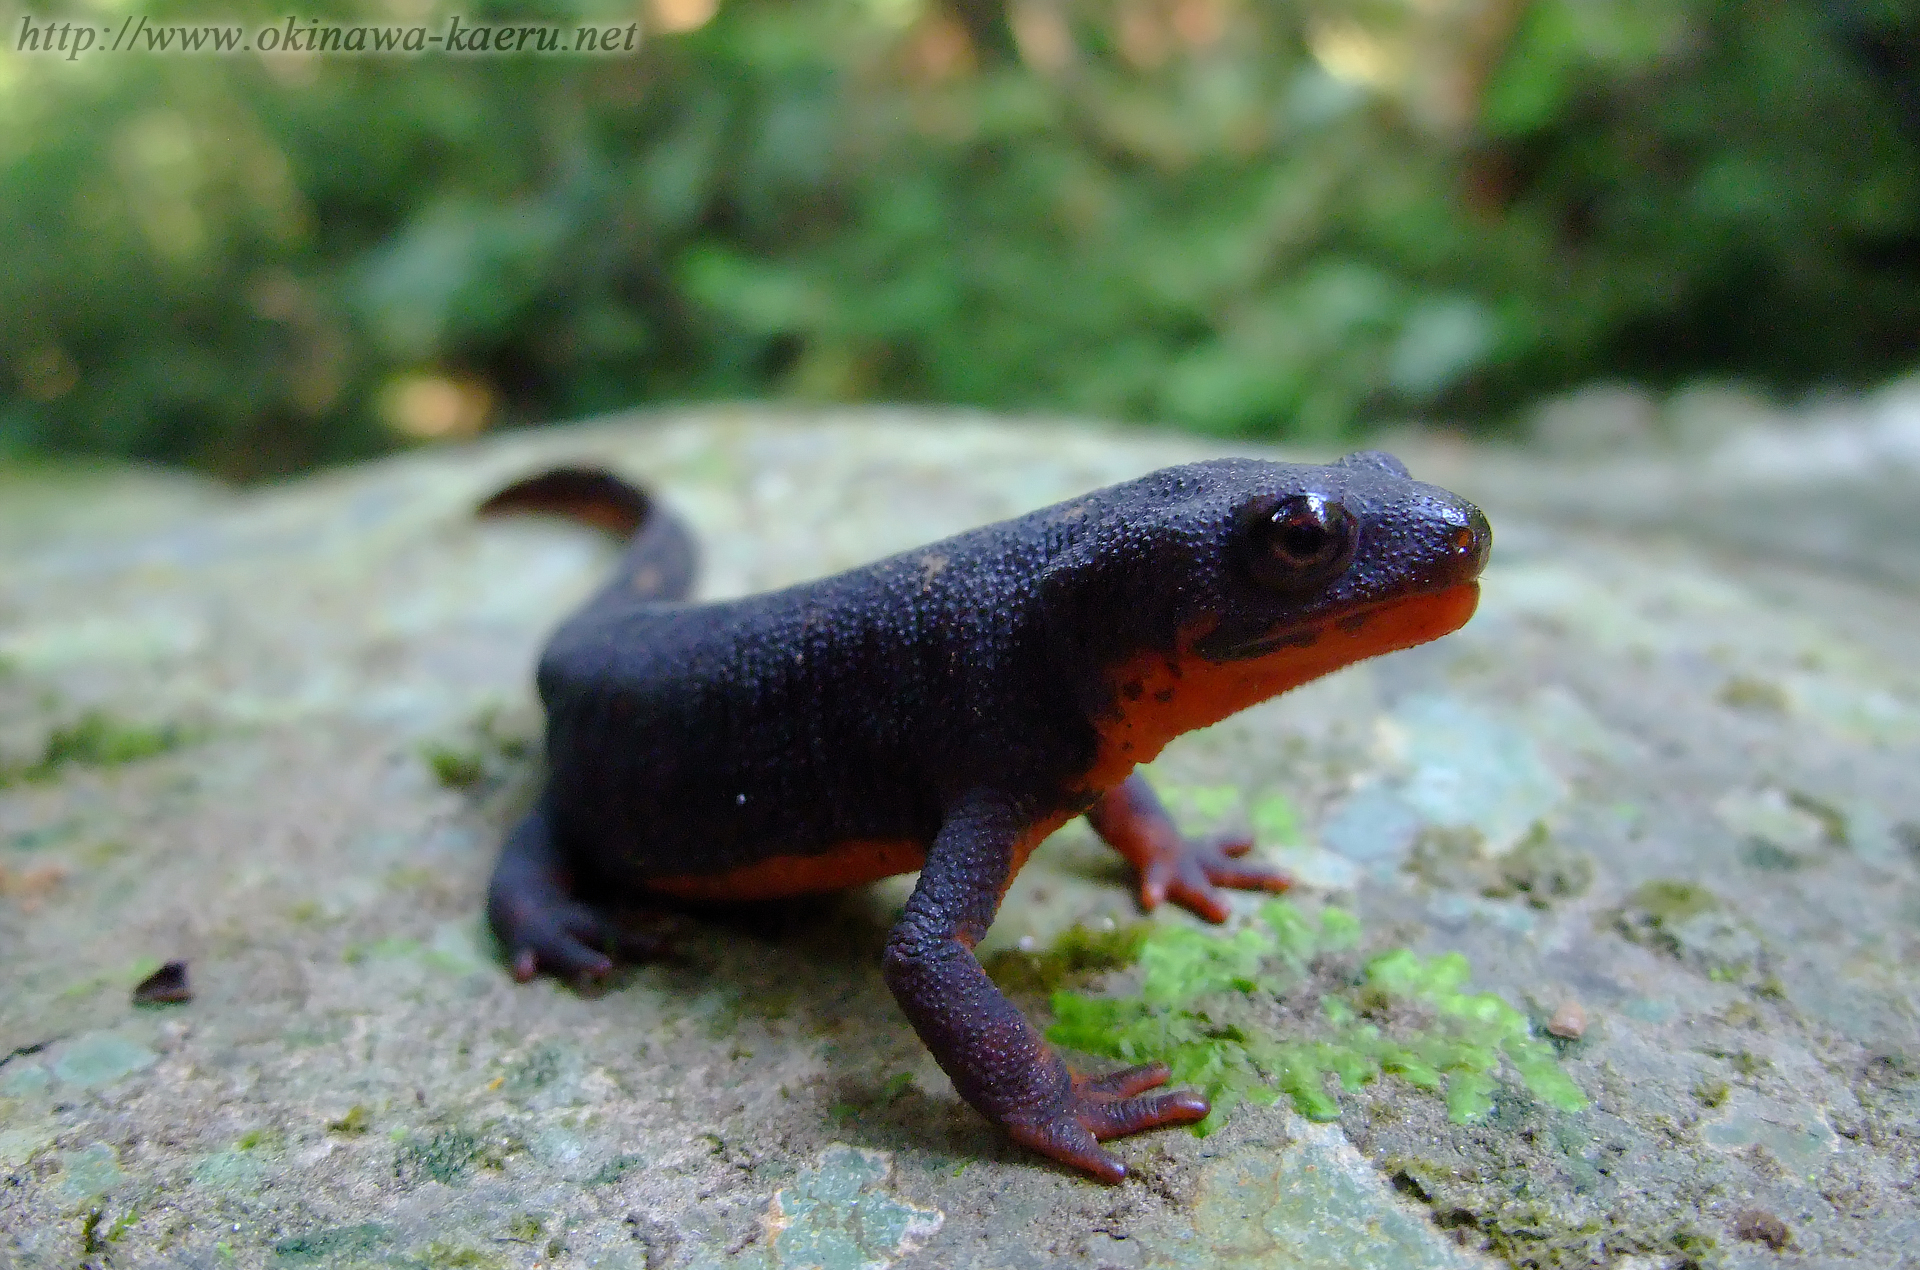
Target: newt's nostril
1474	540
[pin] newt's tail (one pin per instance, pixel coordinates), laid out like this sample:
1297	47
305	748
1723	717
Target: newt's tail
660	556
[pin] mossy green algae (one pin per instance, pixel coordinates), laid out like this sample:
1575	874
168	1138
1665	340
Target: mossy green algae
1199	1010
98	739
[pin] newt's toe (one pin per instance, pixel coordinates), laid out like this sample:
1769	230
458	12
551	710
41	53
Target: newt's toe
1153	1111
566	939
1124	1083
1171	867
1193	874
1095	1108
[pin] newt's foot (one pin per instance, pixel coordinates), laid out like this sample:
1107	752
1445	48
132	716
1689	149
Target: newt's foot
1095	1108
544	928
572	941
1191	873
1132	821
560	936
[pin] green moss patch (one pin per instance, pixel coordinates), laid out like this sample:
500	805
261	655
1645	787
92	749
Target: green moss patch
445	1255
1666	903
1523	1230
1537	869
482	757
1212	1008
1691	924
1078	951
98	739
357	1121
443	1155
332	1244
456	767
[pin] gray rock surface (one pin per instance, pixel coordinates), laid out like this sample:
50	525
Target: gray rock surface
1660	794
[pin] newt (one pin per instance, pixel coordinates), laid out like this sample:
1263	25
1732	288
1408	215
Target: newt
944	710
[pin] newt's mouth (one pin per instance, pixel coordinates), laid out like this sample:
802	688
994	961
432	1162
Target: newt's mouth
1364	632
1217	646
1157	696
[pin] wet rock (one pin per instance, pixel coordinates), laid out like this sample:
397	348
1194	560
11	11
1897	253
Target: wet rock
1666	772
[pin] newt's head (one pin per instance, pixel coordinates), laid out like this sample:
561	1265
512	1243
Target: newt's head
1203	589
1285	549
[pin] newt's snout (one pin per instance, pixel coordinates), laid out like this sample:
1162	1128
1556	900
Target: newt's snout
1443	543
1473	543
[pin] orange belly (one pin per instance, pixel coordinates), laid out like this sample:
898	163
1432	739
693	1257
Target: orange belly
777	877
848	865
1158	696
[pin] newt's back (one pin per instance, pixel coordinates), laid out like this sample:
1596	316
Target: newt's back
694	739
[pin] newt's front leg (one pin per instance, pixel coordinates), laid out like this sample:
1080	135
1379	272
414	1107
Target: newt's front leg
995	1058
1131	819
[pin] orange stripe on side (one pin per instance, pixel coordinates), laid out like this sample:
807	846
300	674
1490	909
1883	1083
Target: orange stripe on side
847	865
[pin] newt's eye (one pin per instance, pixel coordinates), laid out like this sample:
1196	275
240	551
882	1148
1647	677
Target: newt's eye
1300	540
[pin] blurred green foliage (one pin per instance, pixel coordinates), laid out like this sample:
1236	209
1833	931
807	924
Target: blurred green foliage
1239	216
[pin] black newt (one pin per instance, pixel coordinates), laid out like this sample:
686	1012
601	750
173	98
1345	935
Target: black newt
945	710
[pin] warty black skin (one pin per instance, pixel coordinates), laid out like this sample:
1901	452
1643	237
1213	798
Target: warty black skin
949	696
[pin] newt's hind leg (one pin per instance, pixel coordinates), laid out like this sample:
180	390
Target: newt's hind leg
534	913
1133	822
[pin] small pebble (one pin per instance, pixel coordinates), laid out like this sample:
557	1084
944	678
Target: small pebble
1757	1225
1569	1022
165	986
